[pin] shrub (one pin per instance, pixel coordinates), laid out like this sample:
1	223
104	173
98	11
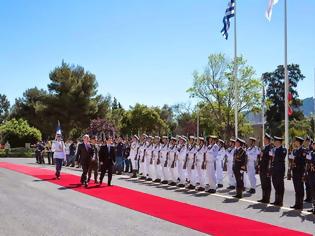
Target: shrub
18	132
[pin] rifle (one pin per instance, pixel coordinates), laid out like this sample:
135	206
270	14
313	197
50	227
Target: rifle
136	153
166	161
204	164
194	162
158	159
173	163
151	159
143	155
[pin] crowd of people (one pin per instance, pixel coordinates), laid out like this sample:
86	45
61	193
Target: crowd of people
195	163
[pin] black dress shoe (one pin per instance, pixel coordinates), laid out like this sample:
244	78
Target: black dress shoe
191	187
220	185
148	179
164	182
308	200
180	185
200	189
261	200
211	191
237	196
252	191
95	182
231	187
109	184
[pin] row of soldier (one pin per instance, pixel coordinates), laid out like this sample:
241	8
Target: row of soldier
198	163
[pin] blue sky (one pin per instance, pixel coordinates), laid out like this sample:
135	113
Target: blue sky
145	51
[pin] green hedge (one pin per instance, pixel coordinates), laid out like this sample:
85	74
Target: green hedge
17	152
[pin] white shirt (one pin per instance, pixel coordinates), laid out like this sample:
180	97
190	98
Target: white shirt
58	148
252	153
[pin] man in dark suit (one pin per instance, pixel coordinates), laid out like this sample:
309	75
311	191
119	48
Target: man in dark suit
107	158
84	155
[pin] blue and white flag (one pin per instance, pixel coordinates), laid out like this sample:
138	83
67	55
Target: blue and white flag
229	13
269	8
58	130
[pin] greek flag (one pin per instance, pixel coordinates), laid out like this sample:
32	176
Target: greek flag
58	130
229	13
269	8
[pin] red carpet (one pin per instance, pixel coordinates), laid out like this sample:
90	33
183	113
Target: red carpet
197	218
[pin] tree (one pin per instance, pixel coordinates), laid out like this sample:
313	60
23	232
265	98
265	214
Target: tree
4	107
142	119
275	97
32	107
215	87
18	132
167	115
101	126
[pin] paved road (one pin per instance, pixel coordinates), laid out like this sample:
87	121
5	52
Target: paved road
30	207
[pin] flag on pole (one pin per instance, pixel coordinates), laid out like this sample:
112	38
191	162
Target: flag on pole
58	130
269	8
229	13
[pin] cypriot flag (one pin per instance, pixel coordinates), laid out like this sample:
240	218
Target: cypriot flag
269	9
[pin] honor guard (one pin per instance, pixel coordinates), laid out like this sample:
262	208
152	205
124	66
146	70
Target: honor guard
308	146
239	166
211	157
189	161
164	158
199	171
154	164
264	168
253	153
278	157
297	167
141	155
229	153
172	162
219	163
311	175
148	157
133	155
181	157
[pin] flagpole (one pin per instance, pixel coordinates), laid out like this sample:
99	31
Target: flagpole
235	75
286	77
263	111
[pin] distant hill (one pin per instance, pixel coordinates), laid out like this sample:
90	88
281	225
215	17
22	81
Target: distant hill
308	106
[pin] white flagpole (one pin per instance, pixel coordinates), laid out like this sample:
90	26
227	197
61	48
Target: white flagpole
286	78
263	112
235	75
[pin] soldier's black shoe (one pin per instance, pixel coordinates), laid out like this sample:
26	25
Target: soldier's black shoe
252	191
231	187
141	177
191	187
238	196
200	189
180	185
134	176
164	182
157	181
220	185
86	184
148	179
211	191
308	200
311	211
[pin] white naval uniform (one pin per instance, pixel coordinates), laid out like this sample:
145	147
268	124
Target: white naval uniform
211	157
141	158
181	157
172	163
252	153
147	157
229	166
219	165
133	155
199	173
164	167
154	167
191	151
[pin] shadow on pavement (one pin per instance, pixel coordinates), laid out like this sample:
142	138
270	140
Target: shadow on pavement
43	180
264	208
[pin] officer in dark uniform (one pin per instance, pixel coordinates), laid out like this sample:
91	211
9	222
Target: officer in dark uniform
264	169
309	148
239	166
297	165
279	154
311	174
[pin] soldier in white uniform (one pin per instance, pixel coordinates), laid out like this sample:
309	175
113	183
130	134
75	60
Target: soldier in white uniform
181	157
172	150
229	164
211	156
252	154
163	159
188	165
154	164
199	169
133	155
219	163
148	156
141	155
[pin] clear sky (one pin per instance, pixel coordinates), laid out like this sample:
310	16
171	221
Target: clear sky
145	51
